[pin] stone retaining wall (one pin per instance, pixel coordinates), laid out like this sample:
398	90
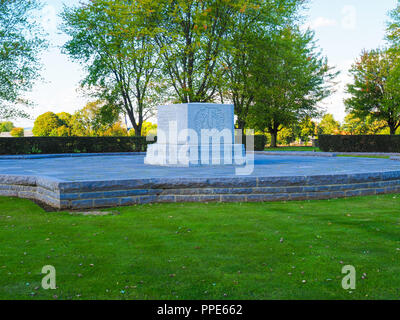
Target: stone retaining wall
99	194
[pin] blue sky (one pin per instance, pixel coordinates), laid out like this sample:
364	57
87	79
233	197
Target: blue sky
343	29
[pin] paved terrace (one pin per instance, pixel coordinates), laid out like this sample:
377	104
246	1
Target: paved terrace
85	182
121	167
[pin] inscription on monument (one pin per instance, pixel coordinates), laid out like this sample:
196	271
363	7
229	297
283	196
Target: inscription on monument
209	118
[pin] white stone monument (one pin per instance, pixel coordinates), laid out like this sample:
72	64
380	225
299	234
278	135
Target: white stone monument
194	134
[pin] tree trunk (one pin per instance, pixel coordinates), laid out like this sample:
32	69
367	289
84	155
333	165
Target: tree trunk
241	124
274	138
392	129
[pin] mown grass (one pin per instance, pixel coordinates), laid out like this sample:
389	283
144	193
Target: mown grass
292	250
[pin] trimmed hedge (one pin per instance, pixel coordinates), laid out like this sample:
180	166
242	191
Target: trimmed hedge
59	145
375	143
260	141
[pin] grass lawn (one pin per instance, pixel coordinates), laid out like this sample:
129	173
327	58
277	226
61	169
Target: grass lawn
292	250
293	149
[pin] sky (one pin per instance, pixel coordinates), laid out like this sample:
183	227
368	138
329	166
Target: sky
343	28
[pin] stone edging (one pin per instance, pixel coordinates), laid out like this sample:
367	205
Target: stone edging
98	194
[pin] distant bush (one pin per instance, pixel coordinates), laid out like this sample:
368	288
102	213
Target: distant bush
17	132
46	125
372	143
6	126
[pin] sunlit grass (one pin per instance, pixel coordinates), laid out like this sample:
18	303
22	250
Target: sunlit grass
292	250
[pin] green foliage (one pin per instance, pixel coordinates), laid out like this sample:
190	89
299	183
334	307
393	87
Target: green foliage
17	132
328	125
147	129
117	130
94	119
65	118
356	126
286	136
191	38
46	125
113	41
290	78
308	129
21	41
393	29
256	23
375	88
6	126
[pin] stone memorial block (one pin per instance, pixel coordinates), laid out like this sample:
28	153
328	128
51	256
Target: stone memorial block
195	134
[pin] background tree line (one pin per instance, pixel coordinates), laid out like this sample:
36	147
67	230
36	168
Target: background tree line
139	54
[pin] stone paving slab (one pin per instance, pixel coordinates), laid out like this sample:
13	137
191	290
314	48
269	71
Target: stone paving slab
108	181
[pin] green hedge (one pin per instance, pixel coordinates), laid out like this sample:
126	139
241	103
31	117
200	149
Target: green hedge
377	143
260	141
59	145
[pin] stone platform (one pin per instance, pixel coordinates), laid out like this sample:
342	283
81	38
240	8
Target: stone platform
83	182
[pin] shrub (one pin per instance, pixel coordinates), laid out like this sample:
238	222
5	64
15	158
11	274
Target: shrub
6	126
17	132
59	145
260	141
372	143
46	124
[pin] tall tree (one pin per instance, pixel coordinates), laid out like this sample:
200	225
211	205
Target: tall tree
356	126
113	39
375	88
94	119
192	34
290	77
21	41
393	29
328	125
258	21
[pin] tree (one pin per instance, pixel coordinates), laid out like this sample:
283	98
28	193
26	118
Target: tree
21	41
393	29
113	39
287	136
375	88
307	129
6	126
117	130
255	22
355	126
94	119
46	125
17	132
147	129
328	125
191	37
290	78
65	117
